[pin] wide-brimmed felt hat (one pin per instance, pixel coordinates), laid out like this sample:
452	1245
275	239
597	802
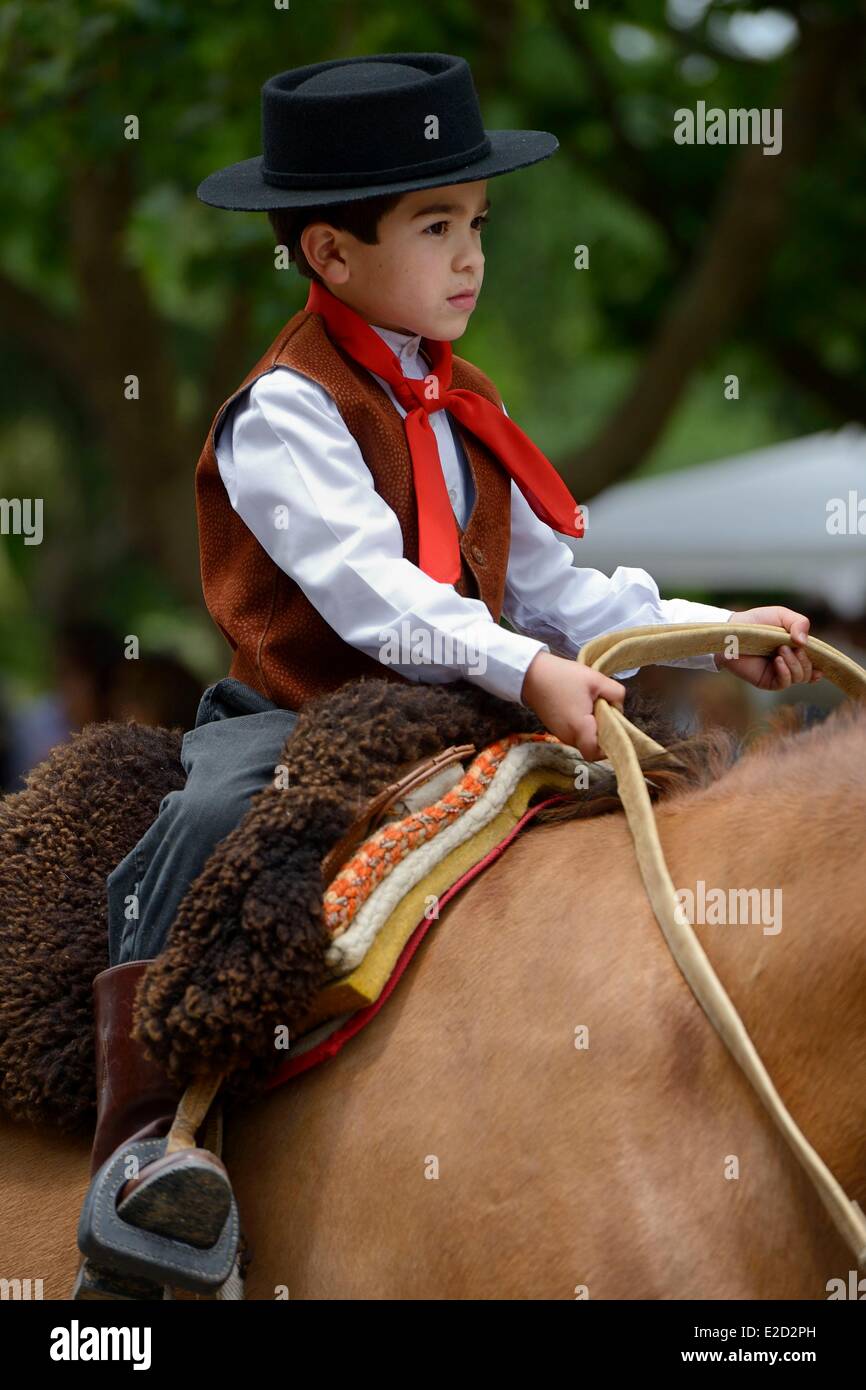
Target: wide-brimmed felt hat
353	128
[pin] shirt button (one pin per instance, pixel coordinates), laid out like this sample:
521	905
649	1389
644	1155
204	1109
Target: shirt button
478	555
452	493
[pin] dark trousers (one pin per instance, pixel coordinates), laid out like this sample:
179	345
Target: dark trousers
231	753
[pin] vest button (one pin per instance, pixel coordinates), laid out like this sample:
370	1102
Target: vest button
478	555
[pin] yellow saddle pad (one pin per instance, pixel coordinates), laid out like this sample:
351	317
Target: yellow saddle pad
396	878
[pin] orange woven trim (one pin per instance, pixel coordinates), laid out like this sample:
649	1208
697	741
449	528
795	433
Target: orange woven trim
387	847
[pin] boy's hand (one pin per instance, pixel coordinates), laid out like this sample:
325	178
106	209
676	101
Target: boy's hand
786	666
562	693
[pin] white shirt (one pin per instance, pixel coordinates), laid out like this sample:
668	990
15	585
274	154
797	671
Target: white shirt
296	476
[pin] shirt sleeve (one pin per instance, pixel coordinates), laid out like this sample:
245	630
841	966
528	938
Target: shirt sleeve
548	596
295	475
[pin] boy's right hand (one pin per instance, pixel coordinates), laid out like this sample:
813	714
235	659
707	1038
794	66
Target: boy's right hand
563	693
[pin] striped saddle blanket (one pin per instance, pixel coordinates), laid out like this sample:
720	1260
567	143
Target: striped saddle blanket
434	840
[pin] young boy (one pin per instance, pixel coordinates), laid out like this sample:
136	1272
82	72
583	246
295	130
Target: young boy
365	504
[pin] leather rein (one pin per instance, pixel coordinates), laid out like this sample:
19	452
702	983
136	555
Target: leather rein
623	744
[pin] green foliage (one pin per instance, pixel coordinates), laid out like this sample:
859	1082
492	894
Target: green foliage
562	344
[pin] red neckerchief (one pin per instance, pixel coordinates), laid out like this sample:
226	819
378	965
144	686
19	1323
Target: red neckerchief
538	480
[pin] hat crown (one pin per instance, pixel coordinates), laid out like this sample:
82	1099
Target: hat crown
350	78
356	121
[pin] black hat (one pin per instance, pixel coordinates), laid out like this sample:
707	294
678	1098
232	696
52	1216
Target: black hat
357	127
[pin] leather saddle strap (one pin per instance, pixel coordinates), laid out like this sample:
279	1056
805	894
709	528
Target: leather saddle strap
622	744
192	1110
376	808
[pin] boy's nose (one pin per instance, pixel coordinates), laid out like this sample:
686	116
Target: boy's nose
470	266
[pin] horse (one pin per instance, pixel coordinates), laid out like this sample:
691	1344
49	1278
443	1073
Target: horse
541	1109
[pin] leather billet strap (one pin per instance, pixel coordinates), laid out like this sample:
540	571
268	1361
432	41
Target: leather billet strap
622	745
194	1108
377	807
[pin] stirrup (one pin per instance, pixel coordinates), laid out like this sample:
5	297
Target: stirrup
110	1241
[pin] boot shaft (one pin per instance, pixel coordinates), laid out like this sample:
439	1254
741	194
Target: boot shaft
133	1093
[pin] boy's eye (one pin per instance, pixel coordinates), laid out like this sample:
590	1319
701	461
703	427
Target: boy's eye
483	218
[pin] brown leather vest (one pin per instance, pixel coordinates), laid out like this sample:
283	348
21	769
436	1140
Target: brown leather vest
282	645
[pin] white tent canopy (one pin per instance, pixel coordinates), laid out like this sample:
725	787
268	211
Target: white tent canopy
758	521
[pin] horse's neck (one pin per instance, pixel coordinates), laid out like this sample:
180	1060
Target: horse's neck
798	976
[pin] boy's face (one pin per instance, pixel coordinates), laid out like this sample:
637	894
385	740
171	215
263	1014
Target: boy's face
425	255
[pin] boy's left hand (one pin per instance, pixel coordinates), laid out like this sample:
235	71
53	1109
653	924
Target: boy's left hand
787	665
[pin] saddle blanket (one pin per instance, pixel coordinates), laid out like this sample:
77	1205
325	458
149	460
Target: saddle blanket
436	838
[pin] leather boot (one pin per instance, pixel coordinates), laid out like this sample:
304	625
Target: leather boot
184	1195
134	1097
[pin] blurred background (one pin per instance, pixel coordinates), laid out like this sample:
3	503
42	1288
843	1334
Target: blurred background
699	381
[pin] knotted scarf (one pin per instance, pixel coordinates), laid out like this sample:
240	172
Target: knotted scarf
534	474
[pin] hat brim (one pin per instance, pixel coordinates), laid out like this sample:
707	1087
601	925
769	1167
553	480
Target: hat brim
241	188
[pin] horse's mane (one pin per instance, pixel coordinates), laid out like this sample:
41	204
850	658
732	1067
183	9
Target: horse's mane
827	748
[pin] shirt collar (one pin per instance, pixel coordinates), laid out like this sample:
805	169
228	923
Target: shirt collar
405	345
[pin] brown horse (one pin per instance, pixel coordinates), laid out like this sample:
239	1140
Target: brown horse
541	1109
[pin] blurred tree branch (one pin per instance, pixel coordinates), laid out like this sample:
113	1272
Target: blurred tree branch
802	366
51	337
229	359
149	447
629	174
730	264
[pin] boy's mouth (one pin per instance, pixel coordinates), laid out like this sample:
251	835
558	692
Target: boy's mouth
463	301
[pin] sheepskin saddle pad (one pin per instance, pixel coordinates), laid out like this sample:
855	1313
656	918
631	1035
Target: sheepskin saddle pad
270	924
298	915
441	826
